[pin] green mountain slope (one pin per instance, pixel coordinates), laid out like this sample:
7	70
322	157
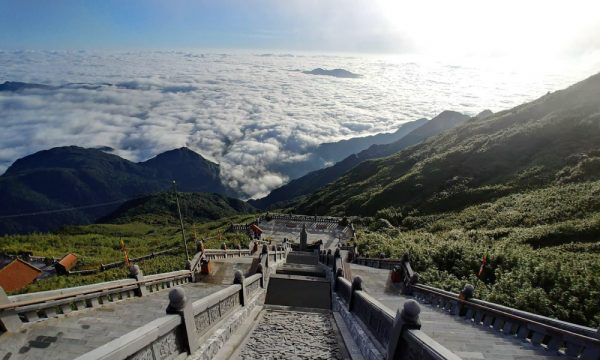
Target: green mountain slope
162	209
73	177
549	141
317	179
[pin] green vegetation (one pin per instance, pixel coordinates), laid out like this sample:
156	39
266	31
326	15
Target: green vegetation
550	141
161	209
544	253
522	185
99	244
74	177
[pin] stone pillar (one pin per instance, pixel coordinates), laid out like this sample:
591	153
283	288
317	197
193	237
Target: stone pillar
466	293
356	286
9	320
405	320
336	256
259	270
179	304
238	278
303	238
199	246
338	274
136	273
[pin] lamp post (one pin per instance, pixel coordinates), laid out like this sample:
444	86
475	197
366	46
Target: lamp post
187	254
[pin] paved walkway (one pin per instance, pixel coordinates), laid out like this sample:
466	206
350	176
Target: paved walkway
285	334
77	333
466	340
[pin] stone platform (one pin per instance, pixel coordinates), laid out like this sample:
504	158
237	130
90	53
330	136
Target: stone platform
74	334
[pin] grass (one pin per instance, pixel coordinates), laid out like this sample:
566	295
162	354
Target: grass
100	244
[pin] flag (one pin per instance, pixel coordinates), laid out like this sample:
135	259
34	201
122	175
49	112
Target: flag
125	253
483	261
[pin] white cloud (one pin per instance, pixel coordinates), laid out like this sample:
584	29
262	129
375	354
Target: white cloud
248	113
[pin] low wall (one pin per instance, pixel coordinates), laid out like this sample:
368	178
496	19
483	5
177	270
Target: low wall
554	336
198	329
17	310
378	331
299	291
301	258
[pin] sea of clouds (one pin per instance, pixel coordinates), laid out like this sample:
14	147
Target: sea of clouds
247	112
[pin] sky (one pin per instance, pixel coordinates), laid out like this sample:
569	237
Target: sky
457	28
226	78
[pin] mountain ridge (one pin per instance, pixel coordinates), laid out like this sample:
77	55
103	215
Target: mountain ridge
319	178
72	177
550	140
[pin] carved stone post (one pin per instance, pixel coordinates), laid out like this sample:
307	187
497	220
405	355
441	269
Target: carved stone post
328	255
178	304
466	293
259	270
336	255
339	273
136	273
406	319
9	320
238	278
356	286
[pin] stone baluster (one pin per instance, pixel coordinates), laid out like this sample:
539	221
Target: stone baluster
338	274
336	255
179	304
136	273
465	294
356	286
238	278
406	319
9	320
224	248
259	270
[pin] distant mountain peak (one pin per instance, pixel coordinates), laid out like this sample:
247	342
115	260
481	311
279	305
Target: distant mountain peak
340	73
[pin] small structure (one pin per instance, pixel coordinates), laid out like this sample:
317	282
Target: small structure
18	274
64	265
256	231
303	238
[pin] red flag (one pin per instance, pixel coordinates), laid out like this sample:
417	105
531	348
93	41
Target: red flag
483	261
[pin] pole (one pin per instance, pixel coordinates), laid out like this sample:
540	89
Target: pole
187	254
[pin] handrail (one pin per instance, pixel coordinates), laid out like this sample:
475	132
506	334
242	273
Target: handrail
509	315
548	325
22	303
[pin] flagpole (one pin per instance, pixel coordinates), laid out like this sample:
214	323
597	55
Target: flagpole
187	254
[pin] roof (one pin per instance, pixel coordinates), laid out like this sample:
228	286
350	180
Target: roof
68	261
18	274
255	228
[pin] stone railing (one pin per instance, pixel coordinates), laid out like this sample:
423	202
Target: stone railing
555	336
397	334
305	218
17	310
213	254
199	328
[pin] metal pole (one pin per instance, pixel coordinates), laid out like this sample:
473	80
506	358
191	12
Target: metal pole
187	254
